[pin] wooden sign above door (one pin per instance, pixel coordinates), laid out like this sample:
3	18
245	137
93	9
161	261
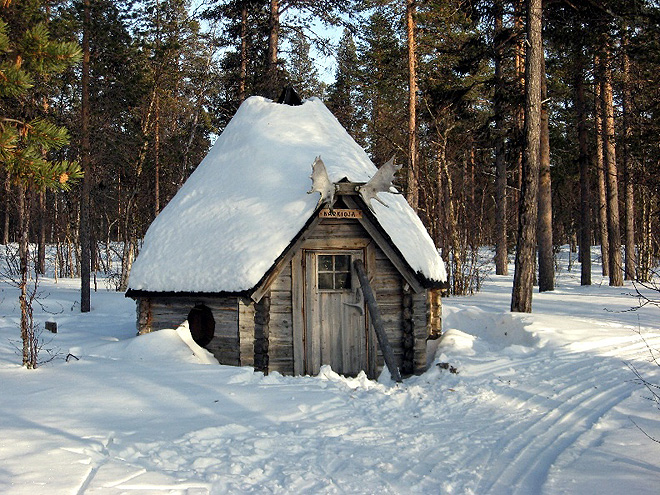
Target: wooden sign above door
340	213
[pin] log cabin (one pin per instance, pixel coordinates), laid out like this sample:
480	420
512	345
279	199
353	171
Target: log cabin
261	251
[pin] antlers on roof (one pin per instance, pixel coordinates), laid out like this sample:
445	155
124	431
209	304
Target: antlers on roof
380	182
321	183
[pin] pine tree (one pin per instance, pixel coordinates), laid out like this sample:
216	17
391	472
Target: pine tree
521	298
302	72
28	56
610	166
454	72
383	80
343	93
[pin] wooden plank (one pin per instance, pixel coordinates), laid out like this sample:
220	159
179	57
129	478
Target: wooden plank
246	331
312	321
328	227
280	327
283	280
144	323
280	343
340	213
261	334
297	317
281	301
350	188
335	243
372	251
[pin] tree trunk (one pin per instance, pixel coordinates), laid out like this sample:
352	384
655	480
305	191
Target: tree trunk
5	230
28	336
544	234
273	37
614	234
128	255
644	273
244	53
471	215
629	200
600	170
412	193
585	187
157	80
41	252
85	258
501	244
157	156
440	219
519	113
23	268
523	280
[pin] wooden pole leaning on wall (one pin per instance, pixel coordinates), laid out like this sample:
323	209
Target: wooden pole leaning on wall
377	321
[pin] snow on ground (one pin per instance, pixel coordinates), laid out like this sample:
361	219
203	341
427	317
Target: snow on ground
542	404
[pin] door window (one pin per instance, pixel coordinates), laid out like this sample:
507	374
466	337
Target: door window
334	272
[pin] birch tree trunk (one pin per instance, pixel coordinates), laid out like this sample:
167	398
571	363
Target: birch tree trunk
30	344
523	279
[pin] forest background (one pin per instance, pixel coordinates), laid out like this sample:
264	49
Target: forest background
519	125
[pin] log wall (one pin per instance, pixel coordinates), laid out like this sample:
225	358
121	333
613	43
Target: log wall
157	313
281	326
387	285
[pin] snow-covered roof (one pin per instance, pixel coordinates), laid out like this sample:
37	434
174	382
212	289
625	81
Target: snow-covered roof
247	200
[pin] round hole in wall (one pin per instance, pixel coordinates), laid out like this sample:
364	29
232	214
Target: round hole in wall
202	324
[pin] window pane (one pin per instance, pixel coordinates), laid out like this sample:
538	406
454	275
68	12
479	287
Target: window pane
342	263
325	281
325	263
342	280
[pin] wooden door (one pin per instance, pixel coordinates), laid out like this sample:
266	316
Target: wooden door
336	330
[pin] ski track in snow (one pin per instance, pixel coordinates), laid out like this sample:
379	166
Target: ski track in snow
521	466
525	451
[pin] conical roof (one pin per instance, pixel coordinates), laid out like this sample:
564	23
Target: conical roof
247	200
